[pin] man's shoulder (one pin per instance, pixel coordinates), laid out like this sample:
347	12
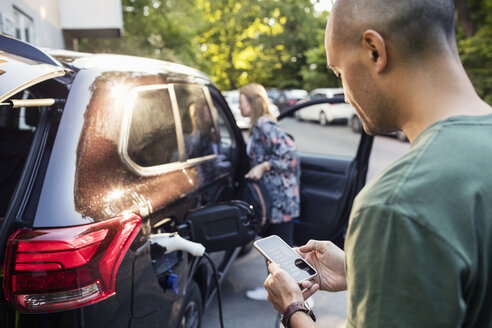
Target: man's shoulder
439	179
447	155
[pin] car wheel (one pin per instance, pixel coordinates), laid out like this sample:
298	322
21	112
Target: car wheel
322	119
356	124
191	312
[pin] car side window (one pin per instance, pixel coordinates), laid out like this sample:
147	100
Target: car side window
152	137
199	131
227	142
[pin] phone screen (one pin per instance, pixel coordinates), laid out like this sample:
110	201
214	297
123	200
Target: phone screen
277	251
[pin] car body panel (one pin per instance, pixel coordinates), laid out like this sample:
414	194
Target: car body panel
97	159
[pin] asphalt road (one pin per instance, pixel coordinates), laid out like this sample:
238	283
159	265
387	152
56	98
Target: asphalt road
250	271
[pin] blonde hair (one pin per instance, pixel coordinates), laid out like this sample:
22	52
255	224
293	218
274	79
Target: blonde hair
258	100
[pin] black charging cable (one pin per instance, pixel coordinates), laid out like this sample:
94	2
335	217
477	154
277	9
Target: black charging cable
219	297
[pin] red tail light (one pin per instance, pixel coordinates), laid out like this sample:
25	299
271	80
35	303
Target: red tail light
58	269
292	101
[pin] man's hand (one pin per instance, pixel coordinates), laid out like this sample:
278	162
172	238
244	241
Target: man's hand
257	172
329	261
282	288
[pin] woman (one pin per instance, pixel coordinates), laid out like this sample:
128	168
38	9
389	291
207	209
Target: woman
274	161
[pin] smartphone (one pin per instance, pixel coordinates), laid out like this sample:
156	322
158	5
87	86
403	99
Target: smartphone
275	250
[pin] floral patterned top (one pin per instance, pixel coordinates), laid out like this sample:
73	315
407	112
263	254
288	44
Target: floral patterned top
269	143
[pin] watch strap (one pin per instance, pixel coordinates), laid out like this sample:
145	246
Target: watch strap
293	308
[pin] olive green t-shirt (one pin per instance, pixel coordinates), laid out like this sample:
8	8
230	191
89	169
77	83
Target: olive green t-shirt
419	241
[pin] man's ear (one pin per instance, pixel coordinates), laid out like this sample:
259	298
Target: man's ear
374	46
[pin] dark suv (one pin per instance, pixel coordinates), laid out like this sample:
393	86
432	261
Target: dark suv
102	157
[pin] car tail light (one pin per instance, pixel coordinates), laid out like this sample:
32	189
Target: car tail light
64	268
292	101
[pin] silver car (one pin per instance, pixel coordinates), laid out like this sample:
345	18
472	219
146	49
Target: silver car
328	112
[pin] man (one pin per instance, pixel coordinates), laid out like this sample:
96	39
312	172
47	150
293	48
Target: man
418	250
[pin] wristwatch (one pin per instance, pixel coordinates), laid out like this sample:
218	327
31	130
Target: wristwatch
293	308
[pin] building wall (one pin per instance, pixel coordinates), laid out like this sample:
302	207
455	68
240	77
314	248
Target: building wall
59	23
34	21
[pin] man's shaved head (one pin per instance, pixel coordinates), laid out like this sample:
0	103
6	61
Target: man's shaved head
415	28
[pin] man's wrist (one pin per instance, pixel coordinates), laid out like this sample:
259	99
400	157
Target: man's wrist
293	308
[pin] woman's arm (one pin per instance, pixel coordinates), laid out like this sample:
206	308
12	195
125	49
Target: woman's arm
257	172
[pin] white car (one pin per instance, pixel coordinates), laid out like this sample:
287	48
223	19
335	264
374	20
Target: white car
232	98
327	113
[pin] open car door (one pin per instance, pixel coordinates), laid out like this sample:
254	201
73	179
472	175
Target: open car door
22	66
334	163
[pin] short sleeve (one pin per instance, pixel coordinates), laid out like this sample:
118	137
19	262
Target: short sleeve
400	273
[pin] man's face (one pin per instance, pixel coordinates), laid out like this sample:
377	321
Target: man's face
360	86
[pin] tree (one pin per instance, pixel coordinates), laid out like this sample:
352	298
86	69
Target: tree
153	28
257	41
287	50
225	27
474	33
315	73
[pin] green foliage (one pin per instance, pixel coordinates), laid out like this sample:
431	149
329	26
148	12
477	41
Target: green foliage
315	73
476	54
255	40
279	43
153	28
476	50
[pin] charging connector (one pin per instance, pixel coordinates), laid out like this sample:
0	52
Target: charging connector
174	242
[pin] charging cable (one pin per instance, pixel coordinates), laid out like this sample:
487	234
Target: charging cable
173	242
219	298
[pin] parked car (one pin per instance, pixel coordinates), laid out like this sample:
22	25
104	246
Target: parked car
288	97
356	126
232	98
103	161
274	94
108	164
338	111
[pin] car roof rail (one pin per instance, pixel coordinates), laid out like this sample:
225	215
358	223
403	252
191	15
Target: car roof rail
26	50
